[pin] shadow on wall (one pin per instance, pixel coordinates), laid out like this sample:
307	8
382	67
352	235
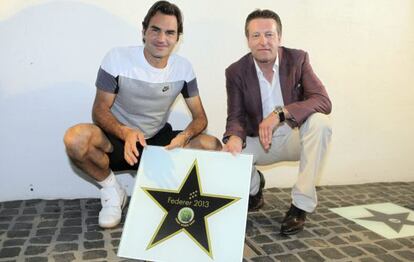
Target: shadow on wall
50	57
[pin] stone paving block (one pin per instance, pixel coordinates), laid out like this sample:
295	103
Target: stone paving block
92	221
310	256
25	218
270	229
294	244
115	243
66	257
72	215
93	235
368	259
273	248
304	234
72	222
94	254
352	251
279	237
263	259
71	230
340	230
331	253
17	234
36	259
94	244
51	210
12	204
406	242
316	243
67	238
13	242
321	232
4	226
9	212
352	238
406	254
40	240
46	231
22	226
35	250
48	223
336	240
93	228
116	234
50	216
287	258
356	227
389	244
261	239
9	252
387	258
373	249
66	247
371	235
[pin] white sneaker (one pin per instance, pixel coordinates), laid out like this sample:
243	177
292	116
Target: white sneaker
113	200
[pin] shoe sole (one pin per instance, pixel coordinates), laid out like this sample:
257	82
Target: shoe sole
116	223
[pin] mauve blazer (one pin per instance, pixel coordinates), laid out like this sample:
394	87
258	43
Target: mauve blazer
303	93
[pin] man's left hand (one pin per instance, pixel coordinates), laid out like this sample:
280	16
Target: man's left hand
266	128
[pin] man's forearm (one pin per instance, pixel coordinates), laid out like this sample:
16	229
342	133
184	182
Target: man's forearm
195	127
107	122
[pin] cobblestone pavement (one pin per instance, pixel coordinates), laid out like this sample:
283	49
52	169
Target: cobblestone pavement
67	230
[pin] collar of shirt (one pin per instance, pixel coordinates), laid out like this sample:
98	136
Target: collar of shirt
260	72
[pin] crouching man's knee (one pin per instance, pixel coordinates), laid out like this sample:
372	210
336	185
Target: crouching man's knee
205	142
76	141
318	123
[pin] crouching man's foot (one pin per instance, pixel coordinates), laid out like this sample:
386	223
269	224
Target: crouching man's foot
113	200
256	202
294	221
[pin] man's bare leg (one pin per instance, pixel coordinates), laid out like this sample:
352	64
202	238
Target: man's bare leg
87	146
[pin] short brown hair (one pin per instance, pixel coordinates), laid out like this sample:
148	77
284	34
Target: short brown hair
165	8
266	13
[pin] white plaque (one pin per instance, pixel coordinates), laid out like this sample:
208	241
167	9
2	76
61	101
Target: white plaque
188	205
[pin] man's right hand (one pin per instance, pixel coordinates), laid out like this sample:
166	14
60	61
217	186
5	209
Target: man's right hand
234	145
131	137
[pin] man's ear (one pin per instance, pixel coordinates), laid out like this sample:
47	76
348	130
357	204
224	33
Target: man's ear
143	35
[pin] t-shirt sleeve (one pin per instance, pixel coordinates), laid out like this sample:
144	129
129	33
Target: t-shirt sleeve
107	78
190	88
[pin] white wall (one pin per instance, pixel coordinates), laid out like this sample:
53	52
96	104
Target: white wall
50	52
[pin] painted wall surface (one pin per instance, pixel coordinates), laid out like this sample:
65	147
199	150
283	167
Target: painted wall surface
50	52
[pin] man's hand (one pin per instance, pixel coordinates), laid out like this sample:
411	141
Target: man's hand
179	141
132	136
234	145
266	130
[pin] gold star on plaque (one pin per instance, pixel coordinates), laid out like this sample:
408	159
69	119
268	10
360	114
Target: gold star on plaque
187	210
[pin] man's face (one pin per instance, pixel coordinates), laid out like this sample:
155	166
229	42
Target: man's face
160	36
263	39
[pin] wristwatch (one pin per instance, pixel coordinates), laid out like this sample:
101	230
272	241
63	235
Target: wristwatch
279	112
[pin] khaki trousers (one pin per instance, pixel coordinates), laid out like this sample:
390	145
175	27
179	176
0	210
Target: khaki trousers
308	144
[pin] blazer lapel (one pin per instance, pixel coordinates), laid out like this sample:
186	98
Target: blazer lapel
253	88
283	76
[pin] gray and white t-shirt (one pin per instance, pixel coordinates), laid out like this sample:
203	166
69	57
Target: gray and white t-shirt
144	93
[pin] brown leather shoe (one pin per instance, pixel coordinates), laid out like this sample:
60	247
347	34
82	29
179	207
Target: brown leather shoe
294	221
256	201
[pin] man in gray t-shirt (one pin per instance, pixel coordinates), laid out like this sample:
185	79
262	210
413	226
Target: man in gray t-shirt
136	87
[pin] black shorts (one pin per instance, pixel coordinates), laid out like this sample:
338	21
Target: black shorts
116	158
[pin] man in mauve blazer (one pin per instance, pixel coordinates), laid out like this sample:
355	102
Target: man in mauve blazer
277	111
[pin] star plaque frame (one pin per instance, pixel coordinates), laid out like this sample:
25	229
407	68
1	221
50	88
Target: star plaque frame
187	205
